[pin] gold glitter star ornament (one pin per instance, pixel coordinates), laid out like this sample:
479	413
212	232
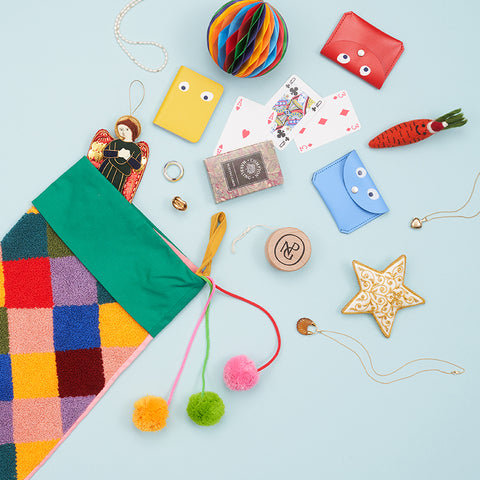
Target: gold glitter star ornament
383	293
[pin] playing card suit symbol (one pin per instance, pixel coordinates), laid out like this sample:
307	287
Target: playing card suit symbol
280	134
220	148
245	133
294	91
239	104
344	112
322	121
335	97
309	145
302	130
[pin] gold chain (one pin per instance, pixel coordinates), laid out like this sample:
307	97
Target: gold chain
426	219
303	328
451	372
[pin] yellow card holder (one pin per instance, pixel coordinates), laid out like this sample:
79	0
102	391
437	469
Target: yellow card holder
188	104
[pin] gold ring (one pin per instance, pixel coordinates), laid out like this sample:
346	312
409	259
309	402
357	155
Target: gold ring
176	164
179	204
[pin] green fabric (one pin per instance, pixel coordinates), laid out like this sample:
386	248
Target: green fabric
56	248
4	340
8	462
119	246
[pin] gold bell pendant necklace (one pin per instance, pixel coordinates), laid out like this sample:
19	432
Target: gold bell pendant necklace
417	222
305	326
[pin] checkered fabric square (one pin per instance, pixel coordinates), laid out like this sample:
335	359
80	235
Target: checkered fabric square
62	339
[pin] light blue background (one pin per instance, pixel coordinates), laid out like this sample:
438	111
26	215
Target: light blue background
314	413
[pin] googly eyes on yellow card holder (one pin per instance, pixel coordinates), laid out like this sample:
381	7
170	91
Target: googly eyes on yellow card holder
188	104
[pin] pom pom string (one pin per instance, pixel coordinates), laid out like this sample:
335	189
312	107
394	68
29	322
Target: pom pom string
214	287
206	408
177	378
279	340
207	334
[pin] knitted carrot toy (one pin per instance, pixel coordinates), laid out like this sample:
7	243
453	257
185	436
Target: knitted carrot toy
416	130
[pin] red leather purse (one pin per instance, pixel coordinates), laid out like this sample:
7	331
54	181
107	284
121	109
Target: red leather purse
363	49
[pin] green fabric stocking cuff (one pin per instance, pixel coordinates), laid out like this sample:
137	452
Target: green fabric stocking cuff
120	247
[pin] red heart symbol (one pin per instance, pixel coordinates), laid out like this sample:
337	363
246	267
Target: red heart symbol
245	133
309	144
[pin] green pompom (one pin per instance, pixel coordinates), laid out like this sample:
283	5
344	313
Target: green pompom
205	408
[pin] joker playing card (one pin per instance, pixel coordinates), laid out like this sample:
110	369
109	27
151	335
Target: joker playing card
291	109
245	126
336	119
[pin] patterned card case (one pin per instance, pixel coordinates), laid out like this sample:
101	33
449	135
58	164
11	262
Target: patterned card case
245	170
349	192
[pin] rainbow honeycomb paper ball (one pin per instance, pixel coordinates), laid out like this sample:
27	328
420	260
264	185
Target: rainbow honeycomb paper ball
247	38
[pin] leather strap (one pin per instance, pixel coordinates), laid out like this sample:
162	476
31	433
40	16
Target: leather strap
218	226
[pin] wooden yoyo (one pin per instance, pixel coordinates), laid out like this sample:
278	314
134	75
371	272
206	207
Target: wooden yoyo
288	249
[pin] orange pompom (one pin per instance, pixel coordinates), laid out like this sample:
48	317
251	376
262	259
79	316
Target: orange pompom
150	414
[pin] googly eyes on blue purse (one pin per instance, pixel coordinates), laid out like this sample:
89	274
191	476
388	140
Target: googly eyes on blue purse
349	192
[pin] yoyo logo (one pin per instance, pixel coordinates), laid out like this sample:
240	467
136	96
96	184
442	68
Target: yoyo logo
289	249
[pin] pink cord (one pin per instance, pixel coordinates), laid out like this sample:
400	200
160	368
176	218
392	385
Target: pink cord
192	338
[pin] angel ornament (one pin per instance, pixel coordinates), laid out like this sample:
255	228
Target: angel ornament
121	161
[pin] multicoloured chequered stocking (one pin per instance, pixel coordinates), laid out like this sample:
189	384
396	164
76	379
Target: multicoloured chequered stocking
63	337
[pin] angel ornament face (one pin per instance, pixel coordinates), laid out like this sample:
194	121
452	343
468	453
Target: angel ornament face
121	161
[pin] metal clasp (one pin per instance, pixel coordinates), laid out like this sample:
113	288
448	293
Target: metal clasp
303	326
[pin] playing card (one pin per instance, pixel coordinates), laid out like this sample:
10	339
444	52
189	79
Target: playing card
336	119
290	109
245	126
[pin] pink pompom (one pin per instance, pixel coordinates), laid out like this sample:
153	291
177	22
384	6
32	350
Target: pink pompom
240	373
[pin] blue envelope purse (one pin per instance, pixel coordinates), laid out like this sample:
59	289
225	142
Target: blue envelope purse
349	192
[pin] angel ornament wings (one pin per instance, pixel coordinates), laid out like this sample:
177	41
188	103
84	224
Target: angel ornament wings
121	161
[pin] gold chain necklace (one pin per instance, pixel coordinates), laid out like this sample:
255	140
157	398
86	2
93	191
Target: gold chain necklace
417	222
304	326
